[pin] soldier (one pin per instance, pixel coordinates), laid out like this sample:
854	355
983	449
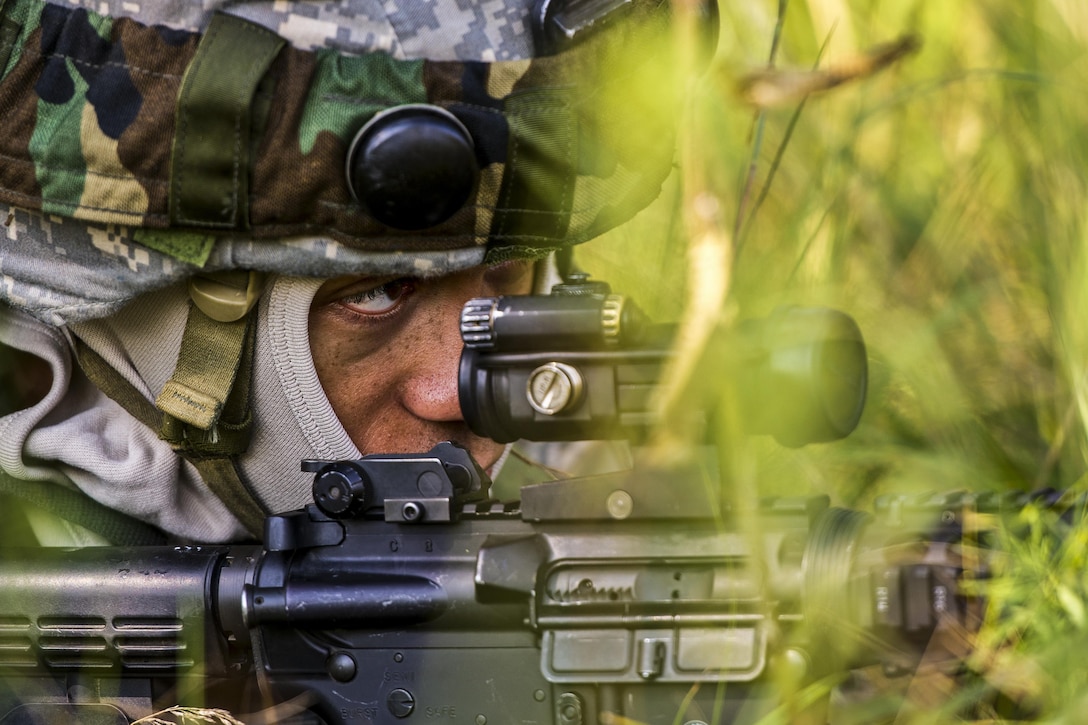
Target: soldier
238	237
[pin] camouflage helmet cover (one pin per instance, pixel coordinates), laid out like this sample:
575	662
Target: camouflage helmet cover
100	119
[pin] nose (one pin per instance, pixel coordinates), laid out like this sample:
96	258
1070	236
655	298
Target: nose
429	391
428	388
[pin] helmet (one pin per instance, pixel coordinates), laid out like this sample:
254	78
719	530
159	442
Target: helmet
171	137
161	155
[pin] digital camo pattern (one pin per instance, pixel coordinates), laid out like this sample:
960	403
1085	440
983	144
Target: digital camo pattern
41	268
62	271
484	30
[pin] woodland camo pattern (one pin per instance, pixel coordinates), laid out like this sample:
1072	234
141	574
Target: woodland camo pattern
89	112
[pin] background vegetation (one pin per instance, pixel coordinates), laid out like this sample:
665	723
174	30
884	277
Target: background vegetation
942	203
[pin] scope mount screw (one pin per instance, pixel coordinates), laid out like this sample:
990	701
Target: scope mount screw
411	511
400	703
620	504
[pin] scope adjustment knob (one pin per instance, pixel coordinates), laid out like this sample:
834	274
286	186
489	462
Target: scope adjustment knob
412	166
612	319
342	490
554	387
478	323
578	284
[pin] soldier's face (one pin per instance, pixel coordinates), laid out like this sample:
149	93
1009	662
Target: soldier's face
387	349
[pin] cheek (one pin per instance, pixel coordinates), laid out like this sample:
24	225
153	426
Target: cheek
354	393
350	368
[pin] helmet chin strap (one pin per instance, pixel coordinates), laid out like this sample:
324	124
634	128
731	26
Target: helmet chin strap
206	411
213	373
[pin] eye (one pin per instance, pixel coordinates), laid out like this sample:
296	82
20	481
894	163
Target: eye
380	300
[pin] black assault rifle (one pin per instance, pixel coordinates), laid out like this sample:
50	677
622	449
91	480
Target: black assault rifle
406	594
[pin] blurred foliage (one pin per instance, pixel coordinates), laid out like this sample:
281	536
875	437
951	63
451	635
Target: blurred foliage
1036	621
942	203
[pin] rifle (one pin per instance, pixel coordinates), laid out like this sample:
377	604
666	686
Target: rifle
406	594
